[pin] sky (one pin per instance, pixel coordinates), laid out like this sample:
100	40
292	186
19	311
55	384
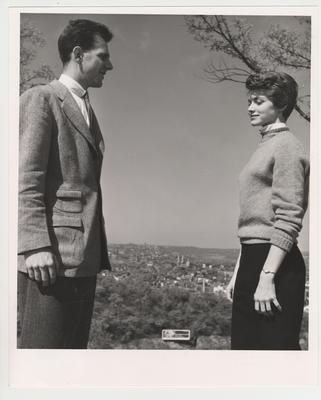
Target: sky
175	143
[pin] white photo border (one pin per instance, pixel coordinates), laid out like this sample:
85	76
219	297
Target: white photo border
165	369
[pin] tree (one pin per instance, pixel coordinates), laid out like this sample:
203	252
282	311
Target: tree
30	75
232	36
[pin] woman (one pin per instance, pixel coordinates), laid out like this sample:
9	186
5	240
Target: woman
268	283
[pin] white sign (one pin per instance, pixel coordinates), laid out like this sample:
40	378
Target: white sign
176	334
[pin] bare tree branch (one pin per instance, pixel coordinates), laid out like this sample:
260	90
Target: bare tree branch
302	113
232	37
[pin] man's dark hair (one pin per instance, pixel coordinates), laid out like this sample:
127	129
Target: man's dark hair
280	88
81	32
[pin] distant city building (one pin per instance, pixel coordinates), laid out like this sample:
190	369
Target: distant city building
219	289
180	260
169	267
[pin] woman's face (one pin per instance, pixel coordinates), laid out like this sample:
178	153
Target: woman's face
261	110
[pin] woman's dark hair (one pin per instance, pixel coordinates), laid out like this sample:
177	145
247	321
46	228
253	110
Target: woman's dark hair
81	32
280	88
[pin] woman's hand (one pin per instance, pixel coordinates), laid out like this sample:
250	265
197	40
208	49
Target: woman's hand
265	295
230	288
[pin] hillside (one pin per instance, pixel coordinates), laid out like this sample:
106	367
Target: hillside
165	287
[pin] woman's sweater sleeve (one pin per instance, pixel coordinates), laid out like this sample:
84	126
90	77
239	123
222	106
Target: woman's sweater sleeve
290	187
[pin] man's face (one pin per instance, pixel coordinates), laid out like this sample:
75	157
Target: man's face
95	63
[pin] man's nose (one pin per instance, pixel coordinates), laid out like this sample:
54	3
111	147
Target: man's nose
109	65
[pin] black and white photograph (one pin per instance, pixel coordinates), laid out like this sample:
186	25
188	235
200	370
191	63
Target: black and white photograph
163	184
182	102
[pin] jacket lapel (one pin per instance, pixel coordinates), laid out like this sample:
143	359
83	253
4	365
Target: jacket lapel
72	112
98	135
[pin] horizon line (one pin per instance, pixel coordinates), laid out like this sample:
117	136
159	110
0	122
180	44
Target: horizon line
179	245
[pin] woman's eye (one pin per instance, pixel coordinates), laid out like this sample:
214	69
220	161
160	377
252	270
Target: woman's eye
255	101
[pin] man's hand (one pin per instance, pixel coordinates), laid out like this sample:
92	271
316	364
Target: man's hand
42	266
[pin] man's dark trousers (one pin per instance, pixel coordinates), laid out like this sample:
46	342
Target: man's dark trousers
57	316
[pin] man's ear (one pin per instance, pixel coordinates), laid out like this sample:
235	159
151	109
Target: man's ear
78	54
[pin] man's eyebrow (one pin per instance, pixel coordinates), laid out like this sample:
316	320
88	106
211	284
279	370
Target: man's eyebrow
104	53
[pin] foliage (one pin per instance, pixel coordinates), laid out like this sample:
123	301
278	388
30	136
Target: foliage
304	334
131	313
132	309
234	37
290	49
30	40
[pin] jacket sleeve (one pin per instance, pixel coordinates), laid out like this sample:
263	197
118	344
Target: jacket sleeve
290	188
34	147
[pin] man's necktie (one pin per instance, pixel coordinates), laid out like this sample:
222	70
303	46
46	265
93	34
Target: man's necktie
88	108
90	116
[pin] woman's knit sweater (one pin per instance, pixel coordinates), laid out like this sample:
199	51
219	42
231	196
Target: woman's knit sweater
274	187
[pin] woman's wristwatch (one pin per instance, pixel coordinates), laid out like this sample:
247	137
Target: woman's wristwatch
268	272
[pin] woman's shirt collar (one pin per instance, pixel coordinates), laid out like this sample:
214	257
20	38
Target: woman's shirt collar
271	130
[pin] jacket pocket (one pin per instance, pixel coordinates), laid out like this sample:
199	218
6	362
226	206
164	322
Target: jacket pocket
68	239
69	201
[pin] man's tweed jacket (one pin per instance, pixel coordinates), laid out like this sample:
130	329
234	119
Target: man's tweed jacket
60	163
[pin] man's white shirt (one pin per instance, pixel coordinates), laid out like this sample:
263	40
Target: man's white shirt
77	92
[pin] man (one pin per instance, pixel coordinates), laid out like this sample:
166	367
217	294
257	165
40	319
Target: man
62	243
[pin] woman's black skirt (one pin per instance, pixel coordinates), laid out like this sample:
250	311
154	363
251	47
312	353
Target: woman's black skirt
254	331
